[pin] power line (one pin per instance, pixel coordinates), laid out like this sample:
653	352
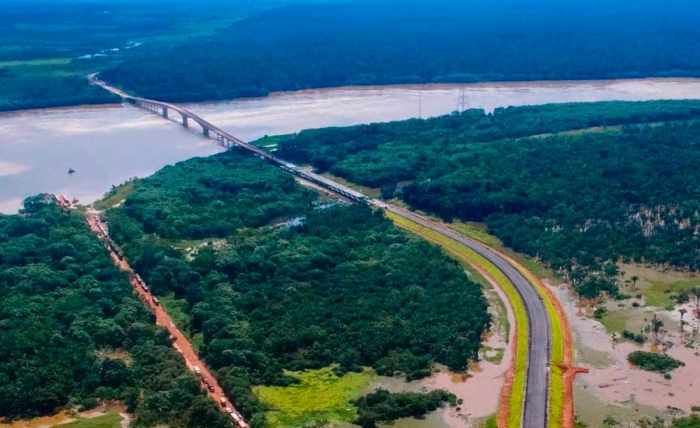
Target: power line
462	100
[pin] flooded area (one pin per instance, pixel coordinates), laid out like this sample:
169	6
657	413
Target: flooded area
108	145
614	388
479	389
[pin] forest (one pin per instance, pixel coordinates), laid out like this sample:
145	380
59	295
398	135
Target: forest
577	199
329	44
47	49
296	283
74	334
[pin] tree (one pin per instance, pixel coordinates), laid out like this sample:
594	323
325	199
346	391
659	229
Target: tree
634	279
656	326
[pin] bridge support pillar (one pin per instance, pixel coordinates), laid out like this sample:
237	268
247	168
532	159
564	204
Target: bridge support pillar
165	112
184	122
205	131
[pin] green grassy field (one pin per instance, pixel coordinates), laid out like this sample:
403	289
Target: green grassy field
114	196
269	143
320	398
109	420
658	286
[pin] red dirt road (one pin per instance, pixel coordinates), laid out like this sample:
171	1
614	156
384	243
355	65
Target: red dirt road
181	344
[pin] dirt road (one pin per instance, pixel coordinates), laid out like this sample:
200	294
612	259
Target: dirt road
180	342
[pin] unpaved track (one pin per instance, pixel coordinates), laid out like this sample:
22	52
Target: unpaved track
181	343
537	388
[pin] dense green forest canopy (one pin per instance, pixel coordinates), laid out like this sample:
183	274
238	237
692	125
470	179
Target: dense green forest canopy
47	48
379	42
578	200
314	284
383	406
73	332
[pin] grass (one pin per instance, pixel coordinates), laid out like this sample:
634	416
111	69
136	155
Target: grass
521	353
36	62
556	375
532	272
657	286
177	310
477	231
369	191
270	143
615	321
109	420
320	398
491	422
659	294
493	355
115	196
121	355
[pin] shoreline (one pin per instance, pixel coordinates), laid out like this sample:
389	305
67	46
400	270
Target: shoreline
399	86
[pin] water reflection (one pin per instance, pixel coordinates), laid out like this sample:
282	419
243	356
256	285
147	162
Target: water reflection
107	146
104	146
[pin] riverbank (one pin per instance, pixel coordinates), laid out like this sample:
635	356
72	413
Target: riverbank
111	144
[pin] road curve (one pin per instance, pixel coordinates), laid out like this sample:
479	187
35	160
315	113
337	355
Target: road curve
535	407
537	387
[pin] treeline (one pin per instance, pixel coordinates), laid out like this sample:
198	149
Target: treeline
21	92
579	201
371	43
313	285
73	333
383	406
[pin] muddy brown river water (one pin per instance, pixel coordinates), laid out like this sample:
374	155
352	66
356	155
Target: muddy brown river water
108	145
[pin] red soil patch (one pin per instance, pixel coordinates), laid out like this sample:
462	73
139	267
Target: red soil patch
569	371
180	342
506	392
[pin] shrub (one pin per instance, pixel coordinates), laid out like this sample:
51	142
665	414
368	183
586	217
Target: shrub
638	338
654	362
600	312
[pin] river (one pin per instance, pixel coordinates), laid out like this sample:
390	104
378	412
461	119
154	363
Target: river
108	145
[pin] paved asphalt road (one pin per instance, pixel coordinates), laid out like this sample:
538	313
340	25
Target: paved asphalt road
537	389
536	394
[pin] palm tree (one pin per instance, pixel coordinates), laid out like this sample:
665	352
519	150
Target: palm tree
656	326
634	279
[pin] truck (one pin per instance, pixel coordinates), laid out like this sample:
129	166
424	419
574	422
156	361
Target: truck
156	301
197	370
223	402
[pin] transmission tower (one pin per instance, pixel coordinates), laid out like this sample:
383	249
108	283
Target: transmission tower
462	100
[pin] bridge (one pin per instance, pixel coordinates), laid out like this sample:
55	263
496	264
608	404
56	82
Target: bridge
227	140
536	400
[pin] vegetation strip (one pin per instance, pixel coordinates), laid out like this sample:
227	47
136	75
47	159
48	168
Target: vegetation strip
561	406
515	404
